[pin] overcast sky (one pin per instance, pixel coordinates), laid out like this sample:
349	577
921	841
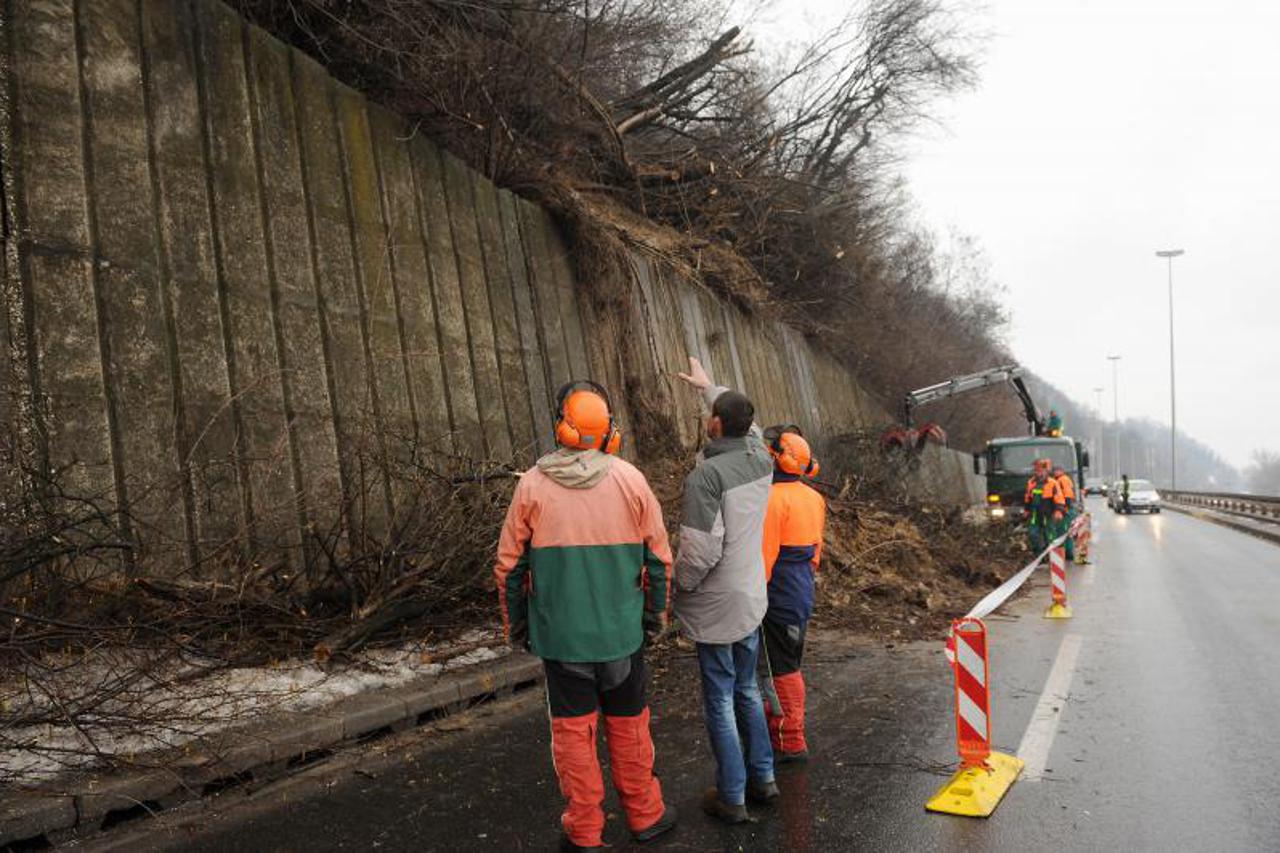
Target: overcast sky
1099	132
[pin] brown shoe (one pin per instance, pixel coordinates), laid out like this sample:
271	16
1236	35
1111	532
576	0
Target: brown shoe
720	810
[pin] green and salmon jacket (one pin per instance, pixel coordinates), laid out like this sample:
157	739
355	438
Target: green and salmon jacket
581	560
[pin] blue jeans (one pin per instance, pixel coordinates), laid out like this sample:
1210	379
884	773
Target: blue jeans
735	716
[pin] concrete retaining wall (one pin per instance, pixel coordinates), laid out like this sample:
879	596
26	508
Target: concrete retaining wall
229	281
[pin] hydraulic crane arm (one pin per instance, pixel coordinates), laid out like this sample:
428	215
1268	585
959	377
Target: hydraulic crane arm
972	382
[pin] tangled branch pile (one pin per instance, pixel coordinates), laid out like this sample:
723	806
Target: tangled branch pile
776	179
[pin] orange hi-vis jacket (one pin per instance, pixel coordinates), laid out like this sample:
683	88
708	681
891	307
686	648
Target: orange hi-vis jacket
793	525
1068	488
1043	499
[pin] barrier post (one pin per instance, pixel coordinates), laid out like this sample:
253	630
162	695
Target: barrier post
984	775
1058	579
1084	539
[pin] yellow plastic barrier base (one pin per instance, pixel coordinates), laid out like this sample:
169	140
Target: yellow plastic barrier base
976	791
1058	611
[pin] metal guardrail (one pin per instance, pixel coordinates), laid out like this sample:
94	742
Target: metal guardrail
1257	507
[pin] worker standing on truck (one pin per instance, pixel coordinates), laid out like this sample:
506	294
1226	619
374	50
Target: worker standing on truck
1069	497
721	596
793	528
1043	506
583	573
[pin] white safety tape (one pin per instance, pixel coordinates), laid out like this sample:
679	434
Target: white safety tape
1002	593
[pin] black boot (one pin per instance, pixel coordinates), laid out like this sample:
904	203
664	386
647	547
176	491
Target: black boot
719	809
763	793
567	846
665	823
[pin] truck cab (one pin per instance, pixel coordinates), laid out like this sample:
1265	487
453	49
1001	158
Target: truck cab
1008	463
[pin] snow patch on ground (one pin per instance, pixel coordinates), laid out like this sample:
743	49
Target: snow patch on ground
170	706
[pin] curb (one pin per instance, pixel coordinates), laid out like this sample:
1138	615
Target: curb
1226	522
89	803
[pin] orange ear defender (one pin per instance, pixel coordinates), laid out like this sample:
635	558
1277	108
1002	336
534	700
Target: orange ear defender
584	418
791	452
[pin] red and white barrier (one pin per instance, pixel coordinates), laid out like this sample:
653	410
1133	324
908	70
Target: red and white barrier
973	694
1058	584
984	776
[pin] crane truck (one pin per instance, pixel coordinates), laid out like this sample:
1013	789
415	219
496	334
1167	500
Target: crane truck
1007	462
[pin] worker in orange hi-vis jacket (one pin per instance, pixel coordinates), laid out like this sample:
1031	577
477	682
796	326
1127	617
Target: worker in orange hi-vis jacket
1043	506
793	527
584	577
1068	487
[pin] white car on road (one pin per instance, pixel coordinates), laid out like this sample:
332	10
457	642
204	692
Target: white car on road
1143	496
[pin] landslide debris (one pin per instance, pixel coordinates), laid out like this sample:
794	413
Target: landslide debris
895	569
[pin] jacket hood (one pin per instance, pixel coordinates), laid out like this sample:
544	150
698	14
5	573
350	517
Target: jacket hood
575	469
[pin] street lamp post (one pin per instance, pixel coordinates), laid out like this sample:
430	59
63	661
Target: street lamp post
1101	430
1169	255
1115	406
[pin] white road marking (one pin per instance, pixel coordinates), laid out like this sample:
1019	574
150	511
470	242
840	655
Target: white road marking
1038	739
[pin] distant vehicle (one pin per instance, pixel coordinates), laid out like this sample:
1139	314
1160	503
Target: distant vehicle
1096	488
1143	496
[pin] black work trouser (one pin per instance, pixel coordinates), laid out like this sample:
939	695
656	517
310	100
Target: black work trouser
616	687
784	646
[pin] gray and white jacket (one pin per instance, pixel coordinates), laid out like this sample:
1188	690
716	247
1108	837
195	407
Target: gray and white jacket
720	590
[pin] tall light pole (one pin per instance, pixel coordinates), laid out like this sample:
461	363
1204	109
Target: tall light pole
1169	255
1101	430
1115	405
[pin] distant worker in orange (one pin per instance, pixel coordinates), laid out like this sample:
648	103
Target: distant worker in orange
1043	505
1069	498
793	526
583	576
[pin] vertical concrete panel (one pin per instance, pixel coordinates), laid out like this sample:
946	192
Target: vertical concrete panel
207	434
753	353
716	338
579	349
338	294
730	316
546	298
47	170
535	370
678	344
785	406
423	370
800	374
497	274
263	449
142	375
395	425
292	285
490	395
451	316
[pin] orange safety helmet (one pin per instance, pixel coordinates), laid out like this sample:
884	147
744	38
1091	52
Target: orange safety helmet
791	452
584	418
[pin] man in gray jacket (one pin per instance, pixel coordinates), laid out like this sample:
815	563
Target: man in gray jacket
721	594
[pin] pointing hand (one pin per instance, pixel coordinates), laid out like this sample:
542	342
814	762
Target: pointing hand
697	375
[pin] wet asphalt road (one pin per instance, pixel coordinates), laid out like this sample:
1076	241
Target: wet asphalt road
1168	736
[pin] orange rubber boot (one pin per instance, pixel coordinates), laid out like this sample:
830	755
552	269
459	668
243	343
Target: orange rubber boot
790	725
573	748
631	765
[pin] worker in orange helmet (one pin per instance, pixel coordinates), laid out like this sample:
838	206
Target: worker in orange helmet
793	526
1043	505
1068	487
585	531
